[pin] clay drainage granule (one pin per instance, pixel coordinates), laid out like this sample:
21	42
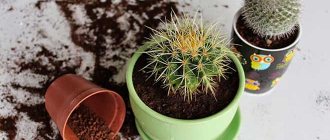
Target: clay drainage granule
88	126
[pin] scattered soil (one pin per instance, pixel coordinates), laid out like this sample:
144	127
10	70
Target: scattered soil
151	12
38	114
323	101
8	125
203	105
263	42
111	32
94	36
10	9
87	125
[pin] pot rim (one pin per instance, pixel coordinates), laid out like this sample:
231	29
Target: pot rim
133	95
238	14
77	101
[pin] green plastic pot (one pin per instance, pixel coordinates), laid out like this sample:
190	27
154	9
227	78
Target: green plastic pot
160	127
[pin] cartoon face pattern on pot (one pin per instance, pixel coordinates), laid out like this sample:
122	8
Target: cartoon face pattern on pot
287	58
252	84
260	61
263	67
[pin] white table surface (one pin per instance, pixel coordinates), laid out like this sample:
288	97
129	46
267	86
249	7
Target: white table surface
299	107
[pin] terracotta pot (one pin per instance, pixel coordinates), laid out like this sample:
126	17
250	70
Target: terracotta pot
67	92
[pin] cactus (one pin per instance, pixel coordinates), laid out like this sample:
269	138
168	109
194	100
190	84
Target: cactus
188	56
271	18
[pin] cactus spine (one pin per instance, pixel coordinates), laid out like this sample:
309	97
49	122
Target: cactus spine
188	56
272	18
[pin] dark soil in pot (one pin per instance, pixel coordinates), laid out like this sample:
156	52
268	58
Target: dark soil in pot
87	125
263	42
154	95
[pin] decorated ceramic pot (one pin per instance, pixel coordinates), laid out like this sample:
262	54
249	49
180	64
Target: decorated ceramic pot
263	67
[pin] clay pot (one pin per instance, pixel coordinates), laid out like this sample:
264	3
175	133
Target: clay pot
67	92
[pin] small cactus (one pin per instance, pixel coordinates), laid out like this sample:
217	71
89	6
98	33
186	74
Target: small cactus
272	18
188	56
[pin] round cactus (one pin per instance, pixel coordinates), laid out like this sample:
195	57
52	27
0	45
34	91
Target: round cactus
270	18
189	57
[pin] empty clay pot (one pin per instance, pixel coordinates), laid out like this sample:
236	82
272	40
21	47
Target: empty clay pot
67	92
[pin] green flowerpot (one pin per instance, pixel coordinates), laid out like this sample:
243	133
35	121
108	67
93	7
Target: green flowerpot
156	126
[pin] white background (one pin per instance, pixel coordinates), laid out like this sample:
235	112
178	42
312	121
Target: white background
299	107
